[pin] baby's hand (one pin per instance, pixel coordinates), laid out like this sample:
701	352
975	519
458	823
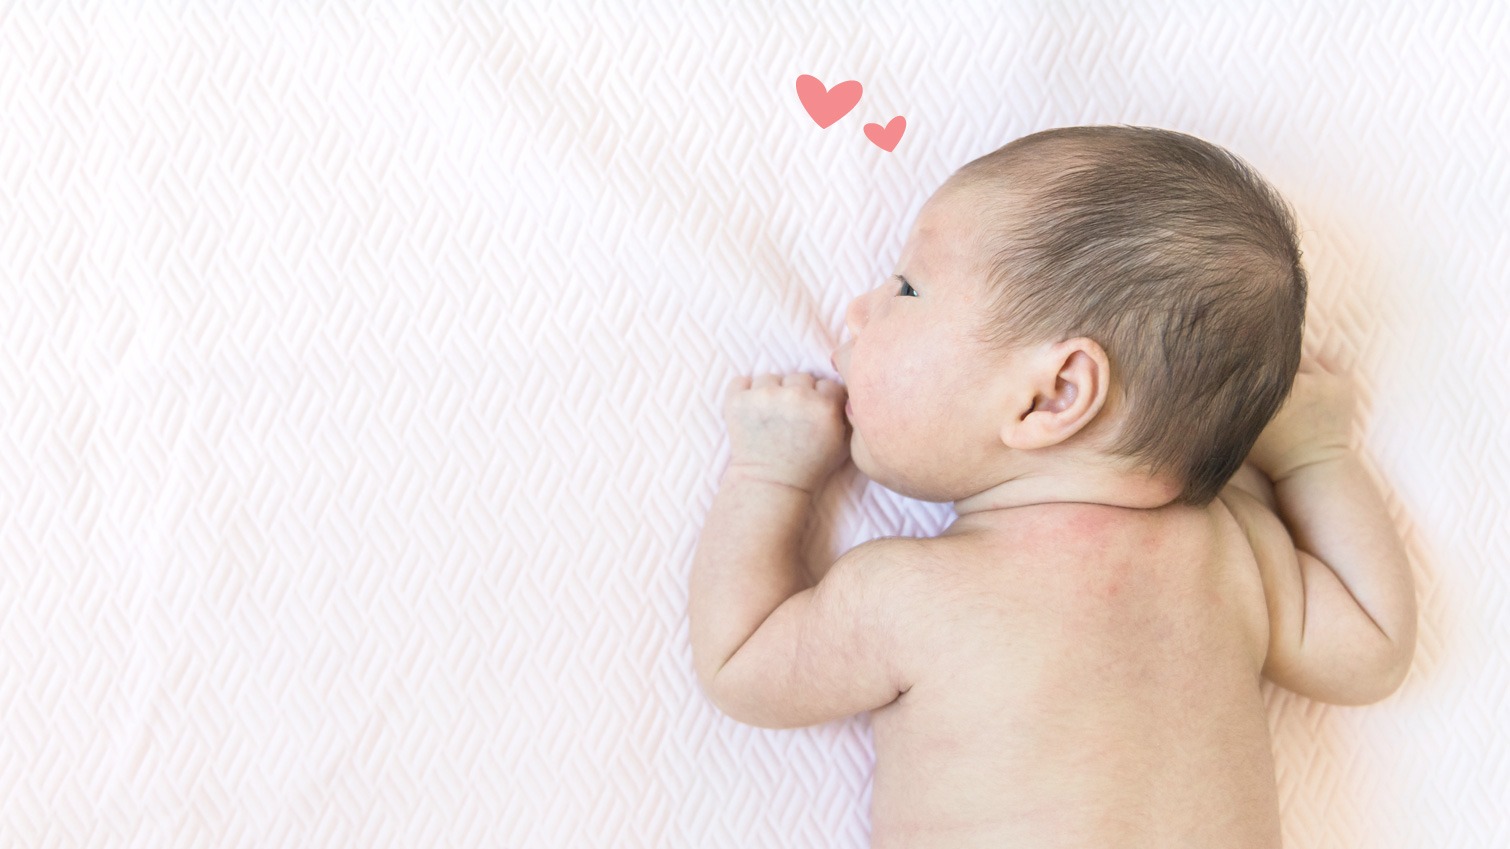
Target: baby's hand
1315	422
787	429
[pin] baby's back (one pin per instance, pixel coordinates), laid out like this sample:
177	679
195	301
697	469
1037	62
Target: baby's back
1083	676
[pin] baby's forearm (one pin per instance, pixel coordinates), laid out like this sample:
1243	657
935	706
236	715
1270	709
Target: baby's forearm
1335	513
747	562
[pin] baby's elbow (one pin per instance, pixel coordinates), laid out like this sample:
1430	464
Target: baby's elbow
1393	666
748	713
1399	670
1386	680
1405	651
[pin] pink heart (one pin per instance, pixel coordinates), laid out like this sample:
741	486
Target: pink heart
886	137
827	105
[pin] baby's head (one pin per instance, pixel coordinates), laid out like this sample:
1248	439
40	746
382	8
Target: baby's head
1173	255
1151	275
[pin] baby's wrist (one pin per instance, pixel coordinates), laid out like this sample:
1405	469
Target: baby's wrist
760	475
1306	456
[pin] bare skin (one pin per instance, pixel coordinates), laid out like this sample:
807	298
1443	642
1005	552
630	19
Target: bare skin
1086	657
1085	676
1077	661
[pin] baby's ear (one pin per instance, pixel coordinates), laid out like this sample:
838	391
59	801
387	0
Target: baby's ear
1065	387
1037	427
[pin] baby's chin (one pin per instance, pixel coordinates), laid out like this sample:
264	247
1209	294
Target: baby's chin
915	485
864	462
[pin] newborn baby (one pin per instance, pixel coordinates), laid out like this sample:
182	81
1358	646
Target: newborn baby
1089	331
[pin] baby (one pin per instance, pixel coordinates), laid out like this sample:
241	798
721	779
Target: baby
1089	331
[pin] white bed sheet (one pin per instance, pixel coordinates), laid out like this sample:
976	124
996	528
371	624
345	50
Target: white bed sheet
361	367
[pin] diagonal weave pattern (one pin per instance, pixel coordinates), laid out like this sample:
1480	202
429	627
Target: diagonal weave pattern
361	374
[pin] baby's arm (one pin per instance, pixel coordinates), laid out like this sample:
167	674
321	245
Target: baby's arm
1338	522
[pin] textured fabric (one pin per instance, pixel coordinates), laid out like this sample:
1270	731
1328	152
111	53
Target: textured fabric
362	365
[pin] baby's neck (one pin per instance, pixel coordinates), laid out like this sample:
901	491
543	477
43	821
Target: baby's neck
1110	488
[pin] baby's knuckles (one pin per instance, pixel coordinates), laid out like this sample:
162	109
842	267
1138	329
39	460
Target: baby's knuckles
786	433
1314	424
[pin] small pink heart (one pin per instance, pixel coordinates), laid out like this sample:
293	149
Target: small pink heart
827	105
886	137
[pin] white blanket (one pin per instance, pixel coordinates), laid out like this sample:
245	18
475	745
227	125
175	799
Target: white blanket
361	372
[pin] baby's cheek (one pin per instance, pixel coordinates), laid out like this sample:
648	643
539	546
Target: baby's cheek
914	389
864	392
894	396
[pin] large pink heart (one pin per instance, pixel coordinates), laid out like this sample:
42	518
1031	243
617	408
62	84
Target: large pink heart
827	105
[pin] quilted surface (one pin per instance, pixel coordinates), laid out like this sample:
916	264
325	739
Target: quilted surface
361	371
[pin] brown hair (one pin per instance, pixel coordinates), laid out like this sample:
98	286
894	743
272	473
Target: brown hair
1176	257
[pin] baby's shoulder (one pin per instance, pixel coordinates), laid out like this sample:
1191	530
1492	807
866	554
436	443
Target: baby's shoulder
1065	553
936	575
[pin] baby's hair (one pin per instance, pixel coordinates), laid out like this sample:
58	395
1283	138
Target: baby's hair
1171	253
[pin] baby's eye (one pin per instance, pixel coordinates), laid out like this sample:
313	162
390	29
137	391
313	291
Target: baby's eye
906	287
